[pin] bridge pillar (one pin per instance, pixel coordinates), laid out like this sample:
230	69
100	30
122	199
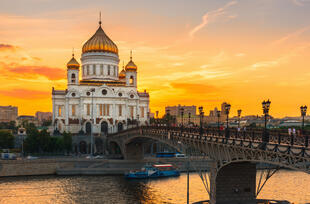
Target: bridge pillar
233	184
134	151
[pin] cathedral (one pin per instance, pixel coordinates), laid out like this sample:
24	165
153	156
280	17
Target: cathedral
104	100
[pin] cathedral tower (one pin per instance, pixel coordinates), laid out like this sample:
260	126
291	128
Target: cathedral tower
131	73
73	68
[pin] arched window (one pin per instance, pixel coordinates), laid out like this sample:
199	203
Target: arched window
131	80
73	78
109	69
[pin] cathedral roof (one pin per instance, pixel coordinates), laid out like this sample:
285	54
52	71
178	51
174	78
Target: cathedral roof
100	42
73	63
122	74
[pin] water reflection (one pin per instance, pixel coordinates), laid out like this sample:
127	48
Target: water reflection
285	185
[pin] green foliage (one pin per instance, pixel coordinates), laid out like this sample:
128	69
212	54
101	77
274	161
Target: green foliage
46	123
9	125
42	142
6	139
67	139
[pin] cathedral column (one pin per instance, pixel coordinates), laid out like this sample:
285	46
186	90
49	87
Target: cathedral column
81	112
67	114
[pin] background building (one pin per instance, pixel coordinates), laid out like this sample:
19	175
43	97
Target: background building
43	116
176	110
8	113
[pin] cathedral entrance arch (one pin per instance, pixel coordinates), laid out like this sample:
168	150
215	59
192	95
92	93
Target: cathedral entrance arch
104	127
83	147
99	146
88	128
120	127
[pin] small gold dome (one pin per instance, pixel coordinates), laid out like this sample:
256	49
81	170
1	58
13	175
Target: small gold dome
131	66
73	63
122	74
100	42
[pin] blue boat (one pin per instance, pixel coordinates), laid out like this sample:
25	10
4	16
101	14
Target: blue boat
154	171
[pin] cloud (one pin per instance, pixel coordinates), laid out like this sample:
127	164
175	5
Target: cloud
25	93
211	16
48	72
299	2
291	35
264	64
7	47
193	88
240	54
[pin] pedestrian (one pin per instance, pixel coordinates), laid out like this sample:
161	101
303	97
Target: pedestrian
289	131
294	131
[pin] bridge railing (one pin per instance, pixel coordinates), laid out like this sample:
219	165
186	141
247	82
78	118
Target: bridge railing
273	140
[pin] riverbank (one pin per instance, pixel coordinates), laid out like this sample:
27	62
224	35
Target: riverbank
83	166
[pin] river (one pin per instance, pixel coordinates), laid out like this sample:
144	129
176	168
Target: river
284	185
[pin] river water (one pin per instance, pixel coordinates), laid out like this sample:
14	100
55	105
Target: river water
284	185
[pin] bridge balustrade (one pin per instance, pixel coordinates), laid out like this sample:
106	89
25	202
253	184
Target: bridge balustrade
278	141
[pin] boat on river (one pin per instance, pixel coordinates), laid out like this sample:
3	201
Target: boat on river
154	171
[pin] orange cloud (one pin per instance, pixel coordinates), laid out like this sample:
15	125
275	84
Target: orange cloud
25	93
48	72
192	88
7	47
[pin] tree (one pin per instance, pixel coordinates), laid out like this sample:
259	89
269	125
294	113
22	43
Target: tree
32	141
67	139
6	139
46	123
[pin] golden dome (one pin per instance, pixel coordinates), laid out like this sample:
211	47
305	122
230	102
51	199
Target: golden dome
122	74
131	65
73	63
100	42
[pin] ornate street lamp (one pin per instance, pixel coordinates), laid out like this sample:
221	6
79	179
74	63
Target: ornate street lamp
201	119
168	118
157	121
227	109
92	123
266	107
189	119
239	115
148	118
182	114
218	114
303	110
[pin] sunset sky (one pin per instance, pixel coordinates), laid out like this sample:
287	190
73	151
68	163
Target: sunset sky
189	52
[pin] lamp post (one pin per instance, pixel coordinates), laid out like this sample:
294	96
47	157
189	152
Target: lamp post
266	107
189	119
303	110
148	118
168	118
201	118
182	115
92	122
227	109
218	114
157	117
138	120
239	115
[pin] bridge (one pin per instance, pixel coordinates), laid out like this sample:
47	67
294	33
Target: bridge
234	155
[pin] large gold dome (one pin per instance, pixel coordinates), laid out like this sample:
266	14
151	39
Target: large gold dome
100	42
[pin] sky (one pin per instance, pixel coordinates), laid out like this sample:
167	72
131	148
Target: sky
198	52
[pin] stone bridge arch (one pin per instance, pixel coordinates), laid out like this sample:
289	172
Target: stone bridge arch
132	145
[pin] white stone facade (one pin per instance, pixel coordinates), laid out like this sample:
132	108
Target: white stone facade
102	99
